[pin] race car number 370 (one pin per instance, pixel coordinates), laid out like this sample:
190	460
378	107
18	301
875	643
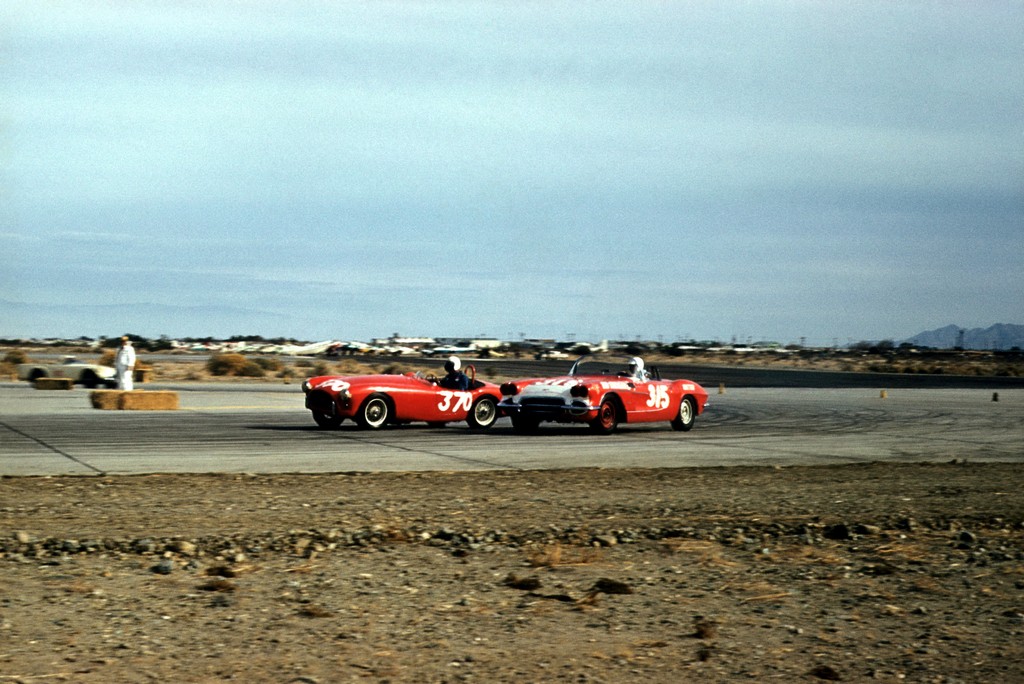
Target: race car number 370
456	401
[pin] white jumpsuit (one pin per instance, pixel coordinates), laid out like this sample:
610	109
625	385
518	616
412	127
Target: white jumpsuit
124	364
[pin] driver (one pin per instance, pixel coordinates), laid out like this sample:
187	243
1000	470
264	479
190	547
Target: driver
455	378
636	369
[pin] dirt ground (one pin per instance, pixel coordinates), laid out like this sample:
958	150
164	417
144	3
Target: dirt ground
186	367
853	573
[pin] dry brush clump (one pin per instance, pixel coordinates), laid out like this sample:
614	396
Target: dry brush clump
235	365
12	359
15	357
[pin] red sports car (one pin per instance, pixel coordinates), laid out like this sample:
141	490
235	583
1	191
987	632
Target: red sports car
373	401
603	391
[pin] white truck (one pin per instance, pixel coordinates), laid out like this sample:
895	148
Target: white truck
81	373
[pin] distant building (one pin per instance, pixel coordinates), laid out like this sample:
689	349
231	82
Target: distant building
397	341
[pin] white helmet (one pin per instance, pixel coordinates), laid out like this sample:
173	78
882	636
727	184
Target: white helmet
452	364
636	363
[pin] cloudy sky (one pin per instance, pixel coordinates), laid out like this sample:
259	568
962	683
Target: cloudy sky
832	171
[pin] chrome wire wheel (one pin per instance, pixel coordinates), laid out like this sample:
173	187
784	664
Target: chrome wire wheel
484	413
374	412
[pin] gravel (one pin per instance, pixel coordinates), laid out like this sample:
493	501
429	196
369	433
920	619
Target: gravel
867	572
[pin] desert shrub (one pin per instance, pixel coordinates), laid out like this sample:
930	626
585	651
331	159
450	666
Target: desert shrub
353	367
321	368
15	356
227	364
252	369
269	363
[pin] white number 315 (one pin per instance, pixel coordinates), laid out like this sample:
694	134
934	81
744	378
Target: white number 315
659	396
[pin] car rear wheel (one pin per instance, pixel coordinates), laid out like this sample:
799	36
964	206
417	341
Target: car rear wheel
374	412
687	414
89	379
484	413
607	418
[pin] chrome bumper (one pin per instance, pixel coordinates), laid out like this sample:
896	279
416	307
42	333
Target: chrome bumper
542	409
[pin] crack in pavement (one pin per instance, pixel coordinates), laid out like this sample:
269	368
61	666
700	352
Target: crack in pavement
53	449
463	459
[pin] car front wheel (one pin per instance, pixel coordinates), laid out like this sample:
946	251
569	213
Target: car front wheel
687	414
607	418
374	412
484	413
328	421
525	425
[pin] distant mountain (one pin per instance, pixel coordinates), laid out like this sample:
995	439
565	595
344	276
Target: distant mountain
1000	336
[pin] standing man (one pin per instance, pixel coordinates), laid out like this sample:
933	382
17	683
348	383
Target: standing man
124	364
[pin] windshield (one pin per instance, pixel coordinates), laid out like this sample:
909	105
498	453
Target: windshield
602	365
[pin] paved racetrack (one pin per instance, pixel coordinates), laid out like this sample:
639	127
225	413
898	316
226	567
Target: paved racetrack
264	428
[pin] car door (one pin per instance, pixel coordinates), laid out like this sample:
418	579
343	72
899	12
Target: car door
652	401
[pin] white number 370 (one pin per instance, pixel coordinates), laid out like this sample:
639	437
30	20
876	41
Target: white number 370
463	401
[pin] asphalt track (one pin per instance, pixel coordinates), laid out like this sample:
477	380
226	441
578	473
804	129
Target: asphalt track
260	428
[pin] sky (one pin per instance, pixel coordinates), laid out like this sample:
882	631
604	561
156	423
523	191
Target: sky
824	172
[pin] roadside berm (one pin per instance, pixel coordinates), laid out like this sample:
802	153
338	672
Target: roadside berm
859	573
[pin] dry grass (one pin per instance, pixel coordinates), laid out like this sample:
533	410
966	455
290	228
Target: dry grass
807	555
556	555
704	553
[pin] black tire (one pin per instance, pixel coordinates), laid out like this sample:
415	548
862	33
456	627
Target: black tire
36	374
328	421
607	418
374	413
483	413
686	415
525	425
89	379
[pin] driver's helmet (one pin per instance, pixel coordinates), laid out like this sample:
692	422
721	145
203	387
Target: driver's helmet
636	364
452	364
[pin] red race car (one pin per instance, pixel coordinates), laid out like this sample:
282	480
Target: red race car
603	391
373	401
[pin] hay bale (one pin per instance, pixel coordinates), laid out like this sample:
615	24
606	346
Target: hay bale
108	400
136	400
54	383
139	400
